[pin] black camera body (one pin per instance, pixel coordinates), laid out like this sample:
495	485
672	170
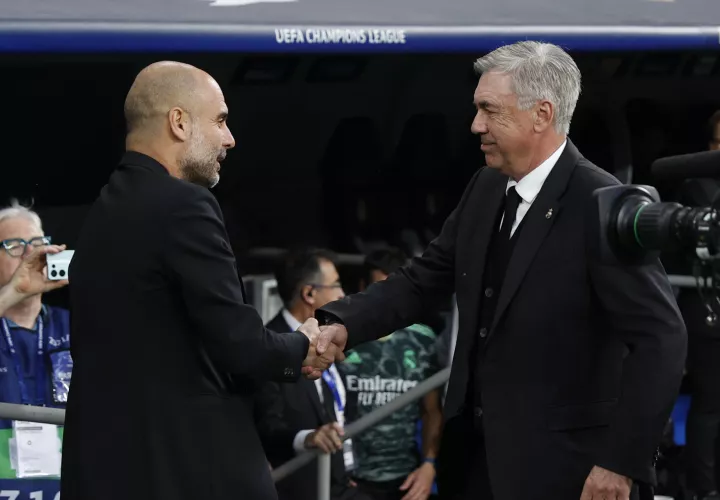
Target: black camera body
632	226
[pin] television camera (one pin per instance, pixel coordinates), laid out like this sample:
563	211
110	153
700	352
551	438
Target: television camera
635	226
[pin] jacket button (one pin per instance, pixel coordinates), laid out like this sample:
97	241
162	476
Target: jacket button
483	332
489	292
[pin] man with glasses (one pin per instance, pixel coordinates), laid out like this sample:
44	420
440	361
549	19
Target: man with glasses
35	361
293	418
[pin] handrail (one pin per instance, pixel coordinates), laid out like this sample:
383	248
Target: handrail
56	416
687	281
275	253
368	421
28	413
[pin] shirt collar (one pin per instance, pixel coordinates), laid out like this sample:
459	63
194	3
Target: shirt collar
292	322
530	185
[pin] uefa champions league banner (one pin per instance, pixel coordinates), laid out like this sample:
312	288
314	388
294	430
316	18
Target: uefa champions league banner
14	488
370	26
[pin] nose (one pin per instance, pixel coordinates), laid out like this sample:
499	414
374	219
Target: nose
479	123
341	293
229	141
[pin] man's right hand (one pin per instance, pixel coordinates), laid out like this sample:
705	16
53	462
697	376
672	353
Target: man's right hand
30	278
315	363
327	438
332	341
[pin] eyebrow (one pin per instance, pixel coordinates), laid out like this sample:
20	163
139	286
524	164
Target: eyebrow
222	115
485	104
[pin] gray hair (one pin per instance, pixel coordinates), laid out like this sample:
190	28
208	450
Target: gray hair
16	210
538	71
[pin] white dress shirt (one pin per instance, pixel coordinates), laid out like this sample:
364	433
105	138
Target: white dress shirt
530	185
299	441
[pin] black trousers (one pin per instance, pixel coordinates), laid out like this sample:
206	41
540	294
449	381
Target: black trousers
348	493
703	425
386	490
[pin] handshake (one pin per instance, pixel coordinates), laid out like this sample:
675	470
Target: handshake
327	344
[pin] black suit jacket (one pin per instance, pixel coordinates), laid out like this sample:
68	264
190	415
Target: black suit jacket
165	352
282	411
583	361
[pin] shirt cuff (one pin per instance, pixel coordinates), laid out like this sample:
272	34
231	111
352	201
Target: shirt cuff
299	441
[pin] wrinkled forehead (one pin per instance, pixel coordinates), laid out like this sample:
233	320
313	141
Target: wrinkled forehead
19	227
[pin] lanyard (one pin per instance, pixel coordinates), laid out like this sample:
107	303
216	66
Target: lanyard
330	381
40	393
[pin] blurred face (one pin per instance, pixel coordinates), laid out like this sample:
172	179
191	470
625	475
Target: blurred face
11	229
328	290
377	275
715	141
209	137
506	132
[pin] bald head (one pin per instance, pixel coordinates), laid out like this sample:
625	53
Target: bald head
176	113
157	89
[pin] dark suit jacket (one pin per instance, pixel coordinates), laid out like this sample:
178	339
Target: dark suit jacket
583	361
158	321
283	410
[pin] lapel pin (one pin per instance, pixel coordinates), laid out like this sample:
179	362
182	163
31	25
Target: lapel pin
549	214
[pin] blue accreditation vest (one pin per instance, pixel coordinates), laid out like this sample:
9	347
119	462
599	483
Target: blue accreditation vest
43	379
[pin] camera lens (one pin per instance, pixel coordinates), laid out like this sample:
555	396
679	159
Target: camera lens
53	274
62	273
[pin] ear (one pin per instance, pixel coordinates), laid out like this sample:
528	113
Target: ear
179	121
307	293
543	116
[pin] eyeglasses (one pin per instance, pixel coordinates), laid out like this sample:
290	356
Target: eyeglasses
15	247
317	285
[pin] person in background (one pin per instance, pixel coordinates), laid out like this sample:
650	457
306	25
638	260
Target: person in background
714	131
703	362
35	361
292	418
35	338
389	465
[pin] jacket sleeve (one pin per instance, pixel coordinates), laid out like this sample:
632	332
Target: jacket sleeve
401	300
200	259
641	311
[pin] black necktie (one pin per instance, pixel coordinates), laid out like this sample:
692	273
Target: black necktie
502	244
512	201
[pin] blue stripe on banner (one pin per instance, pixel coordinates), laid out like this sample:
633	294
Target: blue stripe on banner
58	37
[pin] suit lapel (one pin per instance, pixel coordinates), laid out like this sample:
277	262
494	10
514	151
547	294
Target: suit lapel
536	225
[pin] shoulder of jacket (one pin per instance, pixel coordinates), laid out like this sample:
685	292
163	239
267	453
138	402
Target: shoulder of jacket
593	176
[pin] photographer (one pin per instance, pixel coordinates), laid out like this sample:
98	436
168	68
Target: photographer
35	361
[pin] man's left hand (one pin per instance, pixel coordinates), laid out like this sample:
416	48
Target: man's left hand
419	483
603	484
